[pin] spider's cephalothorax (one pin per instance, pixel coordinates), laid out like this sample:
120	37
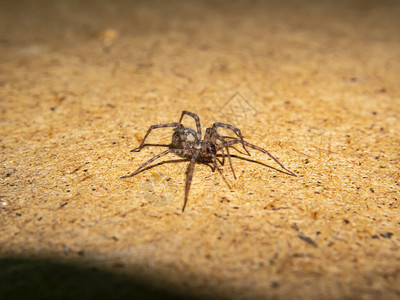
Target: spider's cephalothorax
187	143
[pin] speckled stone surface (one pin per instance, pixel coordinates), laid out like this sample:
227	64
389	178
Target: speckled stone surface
314	82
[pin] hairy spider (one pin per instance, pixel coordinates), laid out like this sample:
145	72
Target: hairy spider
188	144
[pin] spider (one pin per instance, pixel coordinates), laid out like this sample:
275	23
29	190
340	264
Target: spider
211	150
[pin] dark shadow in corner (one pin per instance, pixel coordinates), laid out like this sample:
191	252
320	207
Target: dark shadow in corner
22	278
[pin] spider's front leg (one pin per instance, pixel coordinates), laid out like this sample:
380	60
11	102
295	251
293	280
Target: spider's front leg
237	131
207	149
237	141
222	175
270	155
189	177
175	124
211	136
228	154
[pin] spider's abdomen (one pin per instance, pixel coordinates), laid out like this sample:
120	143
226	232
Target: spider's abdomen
190	139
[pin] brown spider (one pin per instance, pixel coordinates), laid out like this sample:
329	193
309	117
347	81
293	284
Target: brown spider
189	145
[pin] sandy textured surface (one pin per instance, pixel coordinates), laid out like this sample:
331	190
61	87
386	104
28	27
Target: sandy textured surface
316	83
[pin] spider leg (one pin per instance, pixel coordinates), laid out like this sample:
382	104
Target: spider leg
234	129
189	177
214	163
154	145
162	163
176	124
224	143
232	142
196	118
223	157
211	136
234	138
241	152
260	163
229	144
270	155
222	175
148	162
